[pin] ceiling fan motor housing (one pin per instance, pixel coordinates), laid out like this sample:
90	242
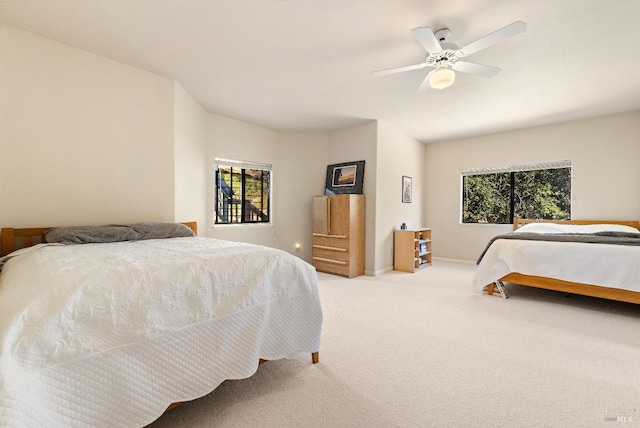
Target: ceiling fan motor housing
449	53
442	58
442	34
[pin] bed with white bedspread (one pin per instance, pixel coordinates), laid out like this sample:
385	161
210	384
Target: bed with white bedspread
110	334
606	269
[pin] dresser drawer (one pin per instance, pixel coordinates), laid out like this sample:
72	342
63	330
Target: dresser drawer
330	241
332	253
337	267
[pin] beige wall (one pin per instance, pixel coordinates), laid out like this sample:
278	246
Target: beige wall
605	175
235	139
355	143
398	155
83	139
299	162
190	127
302	165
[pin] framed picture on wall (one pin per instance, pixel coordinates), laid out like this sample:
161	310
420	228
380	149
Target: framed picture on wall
345	177
407	189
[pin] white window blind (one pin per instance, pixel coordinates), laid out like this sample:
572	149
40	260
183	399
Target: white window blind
235	163
518	167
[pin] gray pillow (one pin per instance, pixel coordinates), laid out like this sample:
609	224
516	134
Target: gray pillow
116	233
161	230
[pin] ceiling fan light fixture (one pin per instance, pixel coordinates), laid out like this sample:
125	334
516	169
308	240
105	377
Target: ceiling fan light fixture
442	78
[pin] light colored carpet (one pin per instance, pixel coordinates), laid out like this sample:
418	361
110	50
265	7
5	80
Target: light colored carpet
427	350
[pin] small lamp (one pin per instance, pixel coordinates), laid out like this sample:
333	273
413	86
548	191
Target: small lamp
442	78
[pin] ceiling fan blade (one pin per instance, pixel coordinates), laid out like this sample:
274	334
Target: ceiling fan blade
427	39
425	84
399	69
476	69
495	37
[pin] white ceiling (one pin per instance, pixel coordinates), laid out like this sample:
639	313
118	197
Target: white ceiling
306	64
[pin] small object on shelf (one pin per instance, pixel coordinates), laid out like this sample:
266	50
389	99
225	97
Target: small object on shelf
403	226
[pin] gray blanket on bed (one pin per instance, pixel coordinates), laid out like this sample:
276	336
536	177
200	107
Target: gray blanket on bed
616	238
117	233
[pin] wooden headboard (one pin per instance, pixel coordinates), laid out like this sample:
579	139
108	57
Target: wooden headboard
14	239
518	223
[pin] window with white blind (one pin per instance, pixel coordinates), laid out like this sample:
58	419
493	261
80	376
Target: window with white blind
243	191
499	194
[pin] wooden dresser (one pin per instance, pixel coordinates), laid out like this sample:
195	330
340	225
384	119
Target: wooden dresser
338	234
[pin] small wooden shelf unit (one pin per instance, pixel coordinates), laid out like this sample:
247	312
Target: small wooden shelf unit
412	249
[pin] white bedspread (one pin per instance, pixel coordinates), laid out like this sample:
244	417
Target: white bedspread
616	266
111	334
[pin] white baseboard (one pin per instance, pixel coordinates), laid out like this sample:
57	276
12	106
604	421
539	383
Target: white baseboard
378	272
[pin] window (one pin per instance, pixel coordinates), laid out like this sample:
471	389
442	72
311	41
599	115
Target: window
243	192
500	194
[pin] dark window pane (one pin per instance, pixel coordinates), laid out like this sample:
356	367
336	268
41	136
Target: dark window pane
537	194
486	198
242	195
543	194
256	196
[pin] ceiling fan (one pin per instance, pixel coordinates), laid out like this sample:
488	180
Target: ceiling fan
445	57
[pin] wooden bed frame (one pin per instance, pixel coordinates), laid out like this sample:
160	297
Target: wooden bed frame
15	239
567	286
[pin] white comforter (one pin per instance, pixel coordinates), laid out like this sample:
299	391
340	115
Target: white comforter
616	266
110	334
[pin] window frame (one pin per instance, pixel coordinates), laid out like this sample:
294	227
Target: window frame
512	170
242	200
